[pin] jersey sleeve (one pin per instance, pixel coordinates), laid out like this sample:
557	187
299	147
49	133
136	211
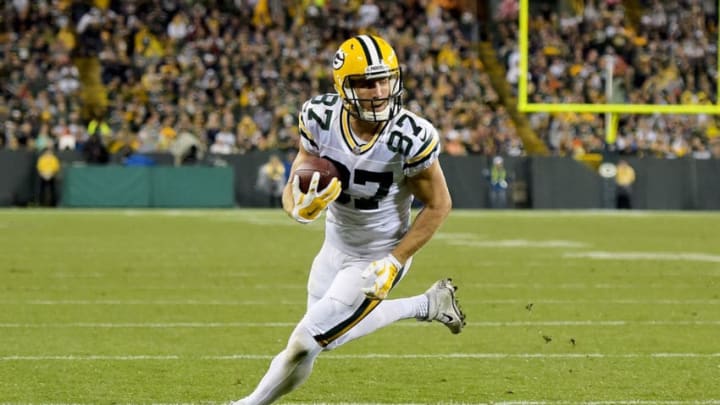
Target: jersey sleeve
307	139
423	153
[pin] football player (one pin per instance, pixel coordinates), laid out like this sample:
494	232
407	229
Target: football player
387	156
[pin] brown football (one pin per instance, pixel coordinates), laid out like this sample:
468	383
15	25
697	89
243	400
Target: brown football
314	164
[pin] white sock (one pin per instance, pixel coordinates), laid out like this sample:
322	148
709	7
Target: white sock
423	309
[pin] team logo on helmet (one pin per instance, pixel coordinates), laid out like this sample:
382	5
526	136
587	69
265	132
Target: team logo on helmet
339	59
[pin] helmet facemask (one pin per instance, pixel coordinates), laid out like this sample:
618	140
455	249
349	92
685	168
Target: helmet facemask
354	104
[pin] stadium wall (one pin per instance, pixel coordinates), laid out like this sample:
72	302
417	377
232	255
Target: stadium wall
17	177
148	187
535	182
562	182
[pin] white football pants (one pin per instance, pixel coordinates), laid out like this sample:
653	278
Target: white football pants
338	312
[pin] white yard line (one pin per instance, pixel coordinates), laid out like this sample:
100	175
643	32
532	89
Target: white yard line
614	402
509	301
531	402
458	212
171	325
151	302
155	274
584	286
89	358
517	243
485	356
515	301
528	402
700	285
149	325
640	214
371	356
662	256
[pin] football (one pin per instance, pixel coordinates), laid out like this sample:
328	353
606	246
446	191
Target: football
314	164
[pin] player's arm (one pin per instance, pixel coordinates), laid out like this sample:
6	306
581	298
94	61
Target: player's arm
430	188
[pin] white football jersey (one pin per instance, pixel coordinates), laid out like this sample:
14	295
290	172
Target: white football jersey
372	213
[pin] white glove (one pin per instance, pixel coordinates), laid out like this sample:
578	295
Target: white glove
383	273
308	206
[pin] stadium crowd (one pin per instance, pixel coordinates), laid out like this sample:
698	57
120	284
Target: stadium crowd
226	76
667	55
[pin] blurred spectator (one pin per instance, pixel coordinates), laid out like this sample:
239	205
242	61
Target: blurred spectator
224	142
48	167
498	184
454	141
98	126
95	151
178	28
271	180
624	179
715	147
43	140
289	158
65	139
149	134
187	148
368	14
88	28
700	150
507	10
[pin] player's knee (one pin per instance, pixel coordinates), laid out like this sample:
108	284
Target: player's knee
301	345
296	354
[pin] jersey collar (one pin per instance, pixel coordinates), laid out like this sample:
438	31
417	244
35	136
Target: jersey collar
349	138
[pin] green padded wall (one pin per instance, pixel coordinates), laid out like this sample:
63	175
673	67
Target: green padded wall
143	187
185	187
106	186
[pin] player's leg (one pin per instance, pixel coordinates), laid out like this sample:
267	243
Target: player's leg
324	268
386	312
438	303
294	364
343	306
341	315
365	316
288	369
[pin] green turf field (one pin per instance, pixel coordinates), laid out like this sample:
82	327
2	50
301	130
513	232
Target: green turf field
141	307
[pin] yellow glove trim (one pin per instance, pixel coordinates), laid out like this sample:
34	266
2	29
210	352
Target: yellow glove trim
385	272
309	206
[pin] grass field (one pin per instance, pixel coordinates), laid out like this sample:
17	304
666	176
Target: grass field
141	307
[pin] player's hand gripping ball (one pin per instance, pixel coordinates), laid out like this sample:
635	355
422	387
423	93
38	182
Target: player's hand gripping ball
315	185
312	164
